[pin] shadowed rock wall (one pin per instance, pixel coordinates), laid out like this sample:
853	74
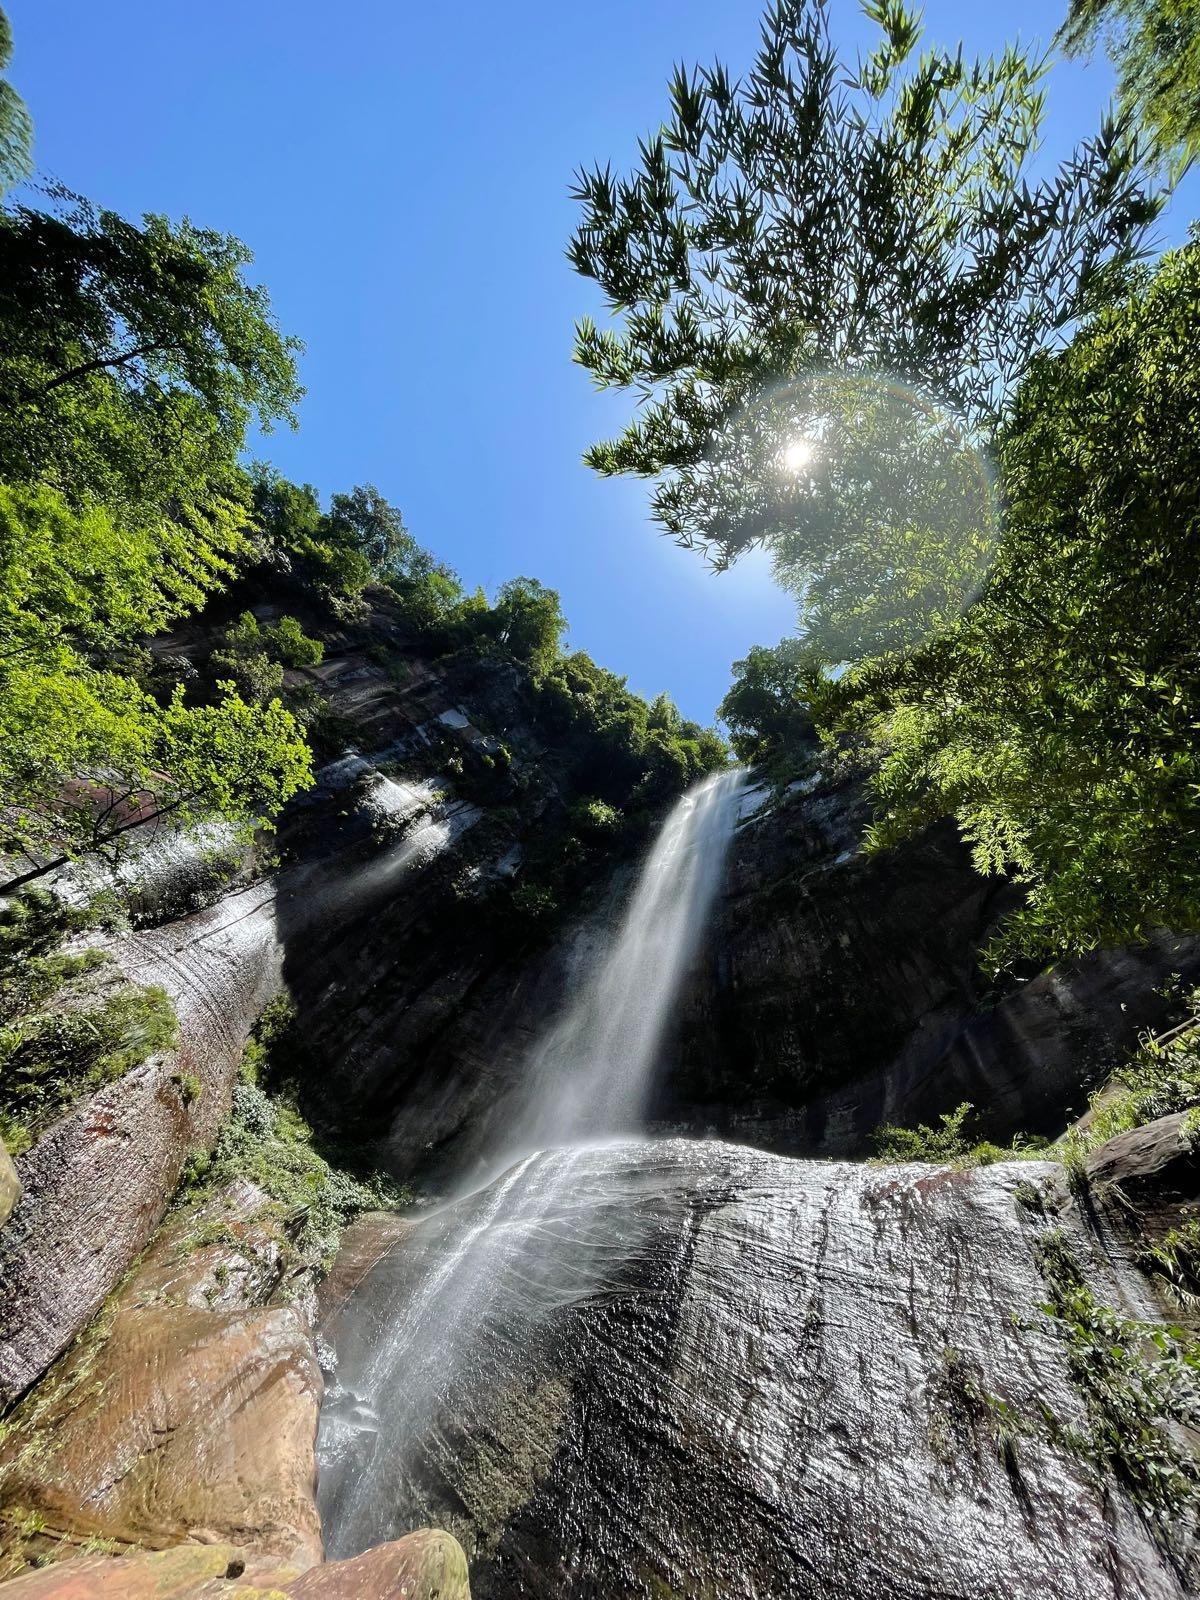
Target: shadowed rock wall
840	990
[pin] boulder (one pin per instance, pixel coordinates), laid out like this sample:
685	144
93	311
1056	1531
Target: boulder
1154	1167
691	1369
426	1565
183	1573
1144	1192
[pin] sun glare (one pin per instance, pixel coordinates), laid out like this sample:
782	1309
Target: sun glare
798	455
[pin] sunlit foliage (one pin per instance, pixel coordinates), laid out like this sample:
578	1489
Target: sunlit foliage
1060	720
766	708
878	218
16	130
133	357
1155	47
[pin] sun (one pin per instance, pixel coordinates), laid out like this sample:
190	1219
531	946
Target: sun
798	455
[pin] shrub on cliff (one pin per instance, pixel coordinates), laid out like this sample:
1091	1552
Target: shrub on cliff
267	1141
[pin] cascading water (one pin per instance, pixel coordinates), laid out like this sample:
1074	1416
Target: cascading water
519	1247
593	1070
645	1367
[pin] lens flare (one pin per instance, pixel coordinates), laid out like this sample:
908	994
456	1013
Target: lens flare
798	455
876	504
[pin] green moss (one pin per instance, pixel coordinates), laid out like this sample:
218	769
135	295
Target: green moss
189	1086
68	1022
267	1141
1030	1196
964	1414
269	1041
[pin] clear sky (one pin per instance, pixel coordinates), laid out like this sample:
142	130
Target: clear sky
400	170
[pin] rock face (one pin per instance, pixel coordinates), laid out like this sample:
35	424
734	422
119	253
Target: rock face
190	1405
426	1565
364	855
1144	1190
694	1369
839	991
10	1185
98	1182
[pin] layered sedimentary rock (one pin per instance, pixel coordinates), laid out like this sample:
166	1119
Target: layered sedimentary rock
97	1183
189	1406
359	847
696	1369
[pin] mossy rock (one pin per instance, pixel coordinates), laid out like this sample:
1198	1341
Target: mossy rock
10	1185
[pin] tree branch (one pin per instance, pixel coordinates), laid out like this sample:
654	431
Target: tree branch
98	365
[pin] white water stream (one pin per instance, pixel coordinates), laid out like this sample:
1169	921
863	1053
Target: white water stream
513	1246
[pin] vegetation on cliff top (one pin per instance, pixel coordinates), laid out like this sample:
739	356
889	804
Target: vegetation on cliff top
134	359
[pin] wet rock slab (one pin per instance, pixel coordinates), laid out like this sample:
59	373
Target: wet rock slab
97	1183
693	1369
427	1565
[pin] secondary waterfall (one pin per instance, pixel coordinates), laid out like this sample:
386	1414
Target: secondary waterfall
496	1263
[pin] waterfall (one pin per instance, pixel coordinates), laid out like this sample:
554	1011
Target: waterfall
514	1249
593	1070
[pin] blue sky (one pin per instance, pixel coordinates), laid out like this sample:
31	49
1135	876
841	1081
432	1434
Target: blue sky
401	172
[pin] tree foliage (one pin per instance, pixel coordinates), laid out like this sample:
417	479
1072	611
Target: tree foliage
528	624
766	709
364	521
361	539
86	750
622	750
1059	721
1155	47
819	218
133	357
16	130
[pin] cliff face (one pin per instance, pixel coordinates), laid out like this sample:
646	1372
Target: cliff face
361	849
834	991
192	1402
854	1316
839	991
96	1185
690	1368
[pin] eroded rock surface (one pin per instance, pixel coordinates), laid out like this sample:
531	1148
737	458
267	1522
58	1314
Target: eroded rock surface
97	1184
427	1565
191	1405
696	1369
10	1185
